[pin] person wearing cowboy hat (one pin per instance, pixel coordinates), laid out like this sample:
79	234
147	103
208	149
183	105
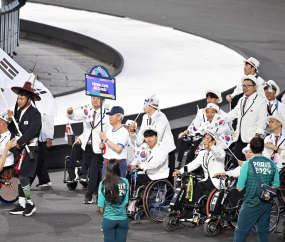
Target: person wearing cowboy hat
211	160
250	113
155	158
153	116
272	90
212	96
250	68
5	135
274	144
131	144
29	122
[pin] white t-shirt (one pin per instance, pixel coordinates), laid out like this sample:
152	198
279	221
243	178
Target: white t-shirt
119	137
5	137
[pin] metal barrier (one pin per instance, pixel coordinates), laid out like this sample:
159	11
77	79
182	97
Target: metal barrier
10	25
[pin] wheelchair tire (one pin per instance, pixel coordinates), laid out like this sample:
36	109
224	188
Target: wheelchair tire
72	186
209	201
234	224
154	200
9	188
211	228
170	223
274	216
280	194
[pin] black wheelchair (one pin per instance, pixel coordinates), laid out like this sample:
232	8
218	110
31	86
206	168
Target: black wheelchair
180	208
71	185
152	199
8	185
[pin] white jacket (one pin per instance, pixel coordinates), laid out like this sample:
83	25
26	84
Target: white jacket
212	162
283	99
201	118
234	173
47	130
154	162
281	144
238	90
87	127
160	122
253	120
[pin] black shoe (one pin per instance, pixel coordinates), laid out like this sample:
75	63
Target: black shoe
88	200
83	178
29	209
71	173
17	210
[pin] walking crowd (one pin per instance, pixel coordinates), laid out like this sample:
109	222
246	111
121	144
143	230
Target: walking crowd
253	131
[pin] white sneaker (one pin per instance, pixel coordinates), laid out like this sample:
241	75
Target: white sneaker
45	185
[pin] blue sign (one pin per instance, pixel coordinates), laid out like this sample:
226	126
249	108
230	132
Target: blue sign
99	83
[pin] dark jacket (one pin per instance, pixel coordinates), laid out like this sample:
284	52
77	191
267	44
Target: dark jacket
30	125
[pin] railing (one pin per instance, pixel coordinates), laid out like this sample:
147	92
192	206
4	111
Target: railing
10	25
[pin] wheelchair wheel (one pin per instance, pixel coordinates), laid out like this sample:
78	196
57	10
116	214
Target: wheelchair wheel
211	228
274	216
209	201
157	198
170	223
71	186
8	186
280	193
233	224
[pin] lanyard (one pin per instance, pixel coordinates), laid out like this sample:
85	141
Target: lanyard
4	138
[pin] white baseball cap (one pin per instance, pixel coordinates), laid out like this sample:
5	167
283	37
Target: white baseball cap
152	101
150	127
253	62
217	92
277	117
5	116
245	149
252	78
129	122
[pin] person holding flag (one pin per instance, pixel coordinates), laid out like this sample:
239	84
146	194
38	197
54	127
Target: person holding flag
153	116
89	141
28	120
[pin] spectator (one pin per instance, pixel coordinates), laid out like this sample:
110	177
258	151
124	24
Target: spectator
113	198
253	210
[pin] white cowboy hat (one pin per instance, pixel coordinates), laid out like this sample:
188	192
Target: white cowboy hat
150	127
253	62
217	92
252	78
277	117
273	83
211	105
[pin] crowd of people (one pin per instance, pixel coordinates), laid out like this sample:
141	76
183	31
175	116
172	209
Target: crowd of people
253	130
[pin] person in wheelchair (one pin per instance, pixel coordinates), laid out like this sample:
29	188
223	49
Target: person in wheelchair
274	144
211	160
7	157
212	96
155	158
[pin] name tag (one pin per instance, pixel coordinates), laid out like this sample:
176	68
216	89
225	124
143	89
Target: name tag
26	122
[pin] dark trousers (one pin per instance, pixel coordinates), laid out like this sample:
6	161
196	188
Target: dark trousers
41	171
171	165
115	230
75	154
200	188
248	216
238	151
93	162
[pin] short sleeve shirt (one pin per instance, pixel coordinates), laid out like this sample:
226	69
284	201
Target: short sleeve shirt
119	137
5	137
267	173
115	211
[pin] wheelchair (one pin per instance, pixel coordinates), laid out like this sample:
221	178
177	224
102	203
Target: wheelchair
223	208
71	185
8	186
181	210
152	199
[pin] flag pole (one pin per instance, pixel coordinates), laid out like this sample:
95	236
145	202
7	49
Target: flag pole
101	111
17	127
